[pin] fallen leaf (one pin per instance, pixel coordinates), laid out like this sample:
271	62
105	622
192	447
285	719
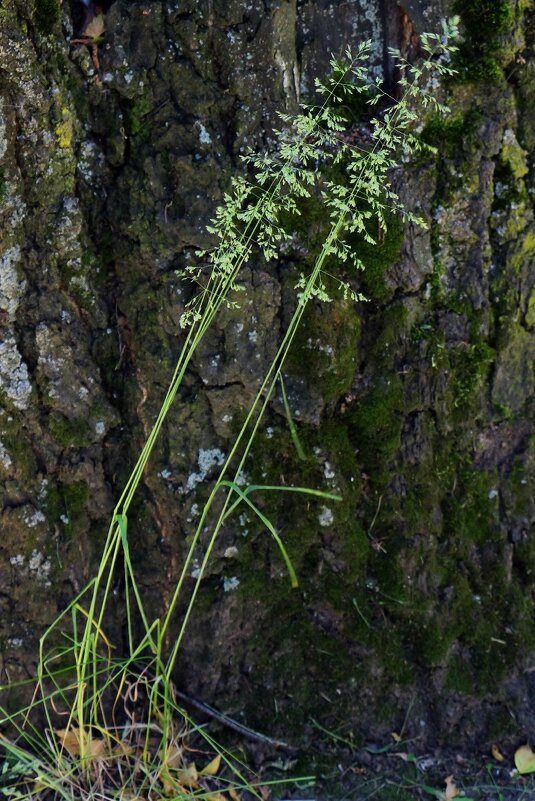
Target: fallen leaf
396	737
122	749
525	759
233	794
188	777
172	757
212	767
70	740
169	785
496	753
265	792
97	747
452	791
215	797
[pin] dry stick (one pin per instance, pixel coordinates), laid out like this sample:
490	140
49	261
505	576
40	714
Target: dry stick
220	716
233	724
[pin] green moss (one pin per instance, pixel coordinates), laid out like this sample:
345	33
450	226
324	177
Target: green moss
471	514
46	15
470	367
139	120
325	349
459	676
67	501
446	134
374	426
69	432
394	658
431	642
483	54
18	447
378	257
514	156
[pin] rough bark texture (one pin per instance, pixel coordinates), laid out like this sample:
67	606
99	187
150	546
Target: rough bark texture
417	591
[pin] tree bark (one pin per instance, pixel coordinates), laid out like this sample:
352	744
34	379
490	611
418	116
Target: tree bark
417	590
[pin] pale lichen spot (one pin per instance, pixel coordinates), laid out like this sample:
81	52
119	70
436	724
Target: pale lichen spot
207	459
230	583
40	565
5	459
34	519
326	517
204	136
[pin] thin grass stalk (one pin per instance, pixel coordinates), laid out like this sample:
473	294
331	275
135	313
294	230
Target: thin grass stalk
193	339
270	381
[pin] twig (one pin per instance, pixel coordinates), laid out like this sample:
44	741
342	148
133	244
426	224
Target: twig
233	724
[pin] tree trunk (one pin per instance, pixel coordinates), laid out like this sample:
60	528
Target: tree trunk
417	590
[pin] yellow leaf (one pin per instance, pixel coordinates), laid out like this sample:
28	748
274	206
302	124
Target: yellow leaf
395	736
525	759
497	754
212	767
452	791
233	794
216	797
96	27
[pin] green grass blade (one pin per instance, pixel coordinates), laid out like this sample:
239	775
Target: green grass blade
291	425
269	525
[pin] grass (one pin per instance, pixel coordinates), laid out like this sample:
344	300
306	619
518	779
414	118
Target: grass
109	727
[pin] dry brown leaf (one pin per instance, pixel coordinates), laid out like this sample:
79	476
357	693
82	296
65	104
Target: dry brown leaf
172	757
216	797
265	792
525	759
169	785
496	753
233	794
188	777
69	740
122	749
452	791
76	742
212	768
97	747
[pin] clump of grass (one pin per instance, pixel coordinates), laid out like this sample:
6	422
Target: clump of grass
83	735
